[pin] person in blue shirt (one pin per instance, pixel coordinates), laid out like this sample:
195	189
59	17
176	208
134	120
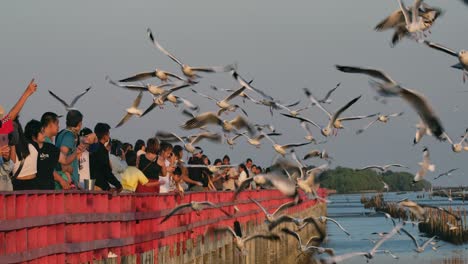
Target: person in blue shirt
67	142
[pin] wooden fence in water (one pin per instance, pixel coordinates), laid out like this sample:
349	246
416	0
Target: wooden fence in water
83	227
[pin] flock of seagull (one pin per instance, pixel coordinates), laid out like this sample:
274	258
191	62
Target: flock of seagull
291	175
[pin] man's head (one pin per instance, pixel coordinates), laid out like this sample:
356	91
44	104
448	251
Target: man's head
74	119
50	123
248	163
34	131
102	131
253	168
198	152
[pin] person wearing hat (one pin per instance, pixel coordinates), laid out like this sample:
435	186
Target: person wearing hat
100	166
66	141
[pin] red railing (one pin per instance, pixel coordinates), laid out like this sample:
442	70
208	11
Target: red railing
77	227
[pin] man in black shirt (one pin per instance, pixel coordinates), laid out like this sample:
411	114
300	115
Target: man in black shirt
100	167
47	158
196	174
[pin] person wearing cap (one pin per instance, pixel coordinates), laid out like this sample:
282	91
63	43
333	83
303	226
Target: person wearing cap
66	141
100	166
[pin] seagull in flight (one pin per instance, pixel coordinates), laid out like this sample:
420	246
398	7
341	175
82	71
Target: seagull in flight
153	89
305	248
414	23
380	118
70	106
190	140
383	168
166	96
212	118
368	255
425	166
133	110
239	239
391	88
224	103
462	56
195	206
334	120
281	149
189	71
447	173
458	147
419	248
160	74
326	99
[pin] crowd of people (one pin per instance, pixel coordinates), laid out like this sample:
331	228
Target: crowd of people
44	157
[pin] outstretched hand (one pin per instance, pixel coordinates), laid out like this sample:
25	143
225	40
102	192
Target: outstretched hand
32	87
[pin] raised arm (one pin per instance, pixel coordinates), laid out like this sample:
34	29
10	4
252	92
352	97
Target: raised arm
14	112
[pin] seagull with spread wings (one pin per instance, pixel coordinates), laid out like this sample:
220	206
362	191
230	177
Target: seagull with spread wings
70	106
133	110
195	206
160	74
212	118
224	104
189	71
462	56
425	166
164	97
281	149
189	141
383	168
380	118
334	119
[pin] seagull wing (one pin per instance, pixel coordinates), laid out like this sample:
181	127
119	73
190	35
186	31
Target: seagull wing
284	207
294	145
356	117
259	205
302	119
378	74
396	114
59	99
312	154
342	109
379	243
293	234
428	242
441	48
330	93
151	107
156	43
372	167
79	96
279	220
395	165
239	122
283	184
391	21
424	110
137	100
187	103
182	206
124	120
415	241
202	120
214	69
316	102
128	86
405	13
203	95
214	137
139	77
339	225
262	236
234	94
244	185
174	76
245	84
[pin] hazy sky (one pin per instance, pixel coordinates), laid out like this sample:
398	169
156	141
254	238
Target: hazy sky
285	46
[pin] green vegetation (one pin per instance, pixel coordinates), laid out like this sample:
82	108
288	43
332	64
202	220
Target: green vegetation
347	180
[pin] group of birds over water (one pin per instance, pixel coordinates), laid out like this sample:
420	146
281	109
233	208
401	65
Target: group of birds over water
289	175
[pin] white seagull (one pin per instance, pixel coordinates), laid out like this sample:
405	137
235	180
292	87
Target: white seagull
447	173
462	56
414	23
190	140
281	149
380	118
133	110
165	96
224	103
334	120
425	166
160	74
70	106
419	248
188	71
212	118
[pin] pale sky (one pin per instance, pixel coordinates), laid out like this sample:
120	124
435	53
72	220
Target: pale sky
285	46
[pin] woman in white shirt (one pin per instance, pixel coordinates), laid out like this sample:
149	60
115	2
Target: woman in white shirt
243	174
25	153
165	151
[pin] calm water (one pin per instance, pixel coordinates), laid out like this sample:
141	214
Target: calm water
348	210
